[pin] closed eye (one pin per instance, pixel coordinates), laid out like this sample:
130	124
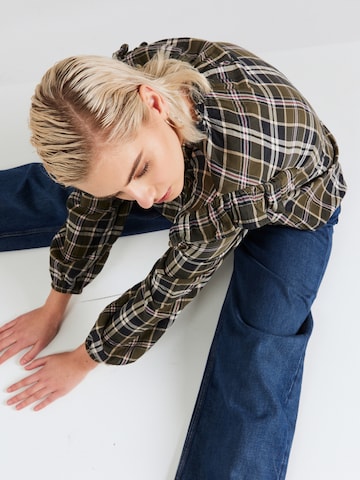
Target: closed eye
143	171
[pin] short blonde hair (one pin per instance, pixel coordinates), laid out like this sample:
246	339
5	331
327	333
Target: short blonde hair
85	100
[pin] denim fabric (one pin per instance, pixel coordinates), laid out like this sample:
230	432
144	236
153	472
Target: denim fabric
33	208
244	419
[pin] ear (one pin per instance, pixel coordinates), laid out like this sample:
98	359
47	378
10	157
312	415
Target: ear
153	100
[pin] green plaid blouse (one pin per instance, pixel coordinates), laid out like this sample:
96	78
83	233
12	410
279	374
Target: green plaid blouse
267	159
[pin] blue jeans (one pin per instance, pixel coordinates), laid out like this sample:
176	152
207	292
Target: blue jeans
244	419
33	208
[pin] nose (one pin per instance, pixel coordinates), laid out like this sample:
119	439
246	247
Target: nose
143	195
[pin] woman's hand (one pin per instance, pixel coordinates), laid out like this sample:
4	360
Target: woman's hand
33	330
56	376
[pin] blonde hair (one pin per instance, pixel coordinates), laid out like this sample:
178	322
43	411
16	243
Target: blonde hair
83	101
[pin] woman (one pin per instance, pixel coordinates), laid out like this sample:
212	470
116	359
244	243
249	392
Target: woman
225	148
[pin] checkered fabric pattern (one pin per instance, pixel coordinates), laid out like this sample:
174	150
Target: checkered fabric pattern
267	159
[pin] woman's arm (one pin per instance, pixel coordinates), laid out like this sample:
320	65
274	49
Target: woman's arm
130	325
80	249
78	253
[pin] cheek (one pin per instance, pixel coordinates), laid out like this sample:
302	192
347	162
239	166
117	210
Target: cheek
170	162
181	166
176	170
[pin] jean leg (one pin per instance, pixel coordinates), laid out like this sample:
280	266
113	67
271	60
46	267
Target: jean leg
244	418
33	209
144	221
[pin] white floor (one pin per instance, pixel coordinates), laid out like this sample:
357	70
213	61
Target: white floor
129	422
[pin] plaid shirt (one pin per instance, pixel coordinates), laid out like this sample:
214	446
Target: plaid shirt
267	159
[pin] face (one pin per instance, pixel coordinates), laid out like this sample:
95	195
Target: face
149	169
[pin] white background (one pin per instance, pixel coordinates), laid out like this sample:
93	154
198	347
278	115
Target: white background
129	422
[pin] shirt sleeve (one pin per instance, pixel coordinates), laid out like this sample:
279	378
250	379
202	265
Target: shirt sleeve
129	326
79	250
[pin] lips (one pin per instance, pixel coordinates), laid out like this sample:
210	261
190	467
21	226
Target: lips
165	197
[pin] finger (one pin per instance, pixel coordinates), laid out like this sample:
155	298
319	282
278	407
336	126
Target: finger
6	334
12	346
30	355
47	400
7	325
7	339
27	398
39	362
27	392
10	352
25	382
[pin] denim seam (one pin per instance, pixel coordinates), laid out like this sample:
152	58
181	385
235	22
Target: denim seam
29	232
284	462
197	411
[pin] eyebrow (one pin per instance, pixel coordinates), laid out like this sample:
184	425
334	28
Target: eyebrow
130	177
